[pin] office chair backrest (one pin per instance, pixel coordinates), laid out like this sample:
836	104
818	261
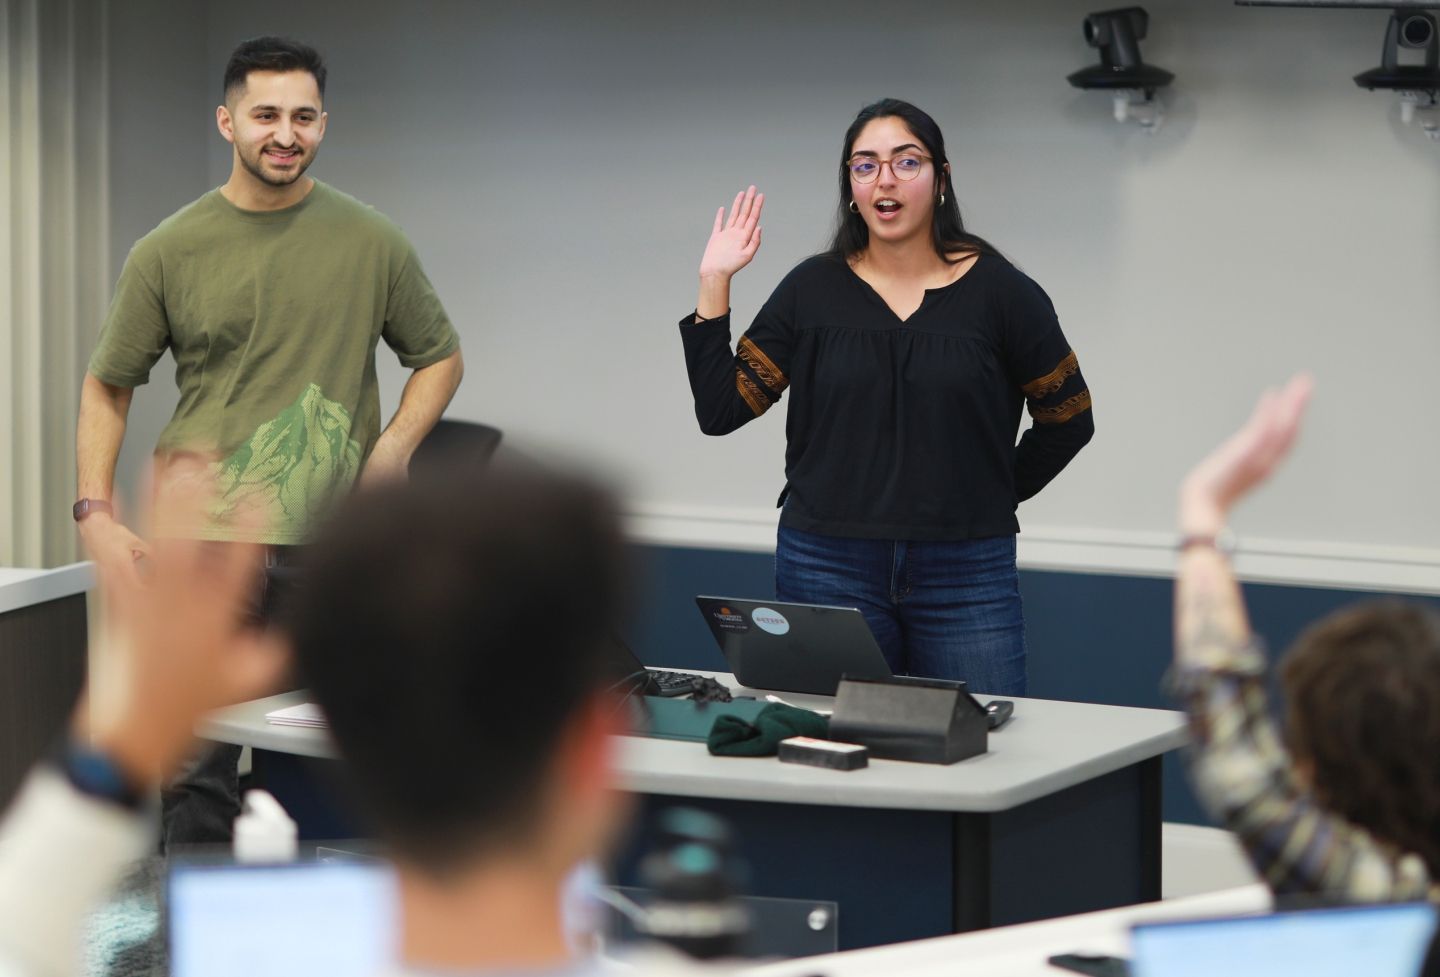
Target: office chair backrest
454	447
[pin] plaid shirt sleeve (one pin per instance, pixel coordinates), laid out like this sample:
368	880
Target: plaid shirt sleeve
1243	773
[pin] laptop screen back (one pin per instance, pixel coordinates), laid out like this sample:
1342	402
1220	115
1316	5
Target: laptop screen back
792	647
1377	941
331	918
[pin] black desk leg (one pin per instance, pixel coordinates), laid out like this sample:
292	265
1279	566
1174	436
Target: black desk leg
1151	822
972	872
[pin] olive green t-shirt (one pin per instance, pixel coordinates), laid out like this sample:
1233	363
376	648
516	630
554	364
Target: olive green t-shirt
273	318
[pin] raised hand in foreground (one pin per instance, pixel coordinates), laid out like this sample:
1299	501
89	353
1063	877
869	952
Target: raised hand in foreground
1210	618
179	643
1244	460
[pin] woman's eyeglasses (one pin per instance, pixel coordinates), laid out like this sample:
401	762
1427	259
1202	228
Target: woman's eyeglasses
865	169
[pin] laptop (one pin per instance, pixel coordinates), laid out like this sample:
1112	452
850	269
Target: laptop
1377	941
336	918
792	647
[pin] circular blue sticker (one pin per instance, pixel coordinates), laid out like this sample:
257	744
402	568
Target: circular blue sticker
767	620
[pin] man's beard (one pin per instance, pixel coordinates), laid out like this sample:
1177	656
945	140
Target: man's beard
256	169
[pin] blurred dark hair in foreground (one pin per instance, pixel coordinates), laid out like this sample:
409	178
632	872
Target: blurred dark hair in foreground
1362	692
425	614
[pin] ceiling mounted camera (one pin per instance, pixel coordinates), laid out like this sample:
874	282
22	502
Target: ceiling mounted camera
1417	81
1122	72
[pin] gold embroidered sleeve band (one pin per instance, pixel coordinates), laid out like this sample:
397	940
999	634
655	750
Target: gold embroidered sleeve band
1053	380
765	371
758	402
1077	404
1048	401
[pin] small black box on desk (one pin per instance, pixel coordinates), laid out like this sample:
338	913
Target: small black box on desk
904	718
824	753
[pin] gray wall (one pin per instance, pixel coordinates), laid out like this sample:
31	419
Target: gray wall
557	165
161	102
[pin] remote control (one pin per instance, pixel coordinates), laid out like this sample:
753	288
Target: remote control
997	712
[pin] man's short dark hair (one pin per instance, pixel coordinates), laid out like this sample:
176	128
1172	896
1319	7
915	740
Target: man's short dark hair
272	54
450	630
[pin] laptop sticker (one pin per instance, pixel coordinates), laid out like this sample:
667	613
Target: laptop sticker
772	621
726	619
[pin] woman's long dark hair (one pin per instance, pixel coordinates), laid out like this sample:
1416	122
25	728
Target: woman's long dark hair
947	230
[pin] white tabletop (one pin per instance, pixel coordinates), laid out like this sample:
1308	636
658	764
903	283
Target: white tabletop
1019	951
1046	747
21	587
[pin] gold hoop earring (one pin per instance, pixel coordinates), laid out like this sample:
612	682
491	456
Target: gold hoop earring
853	208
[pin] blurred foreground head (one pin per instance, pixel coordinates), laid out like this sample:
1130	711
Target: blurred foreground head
453	632
1362	691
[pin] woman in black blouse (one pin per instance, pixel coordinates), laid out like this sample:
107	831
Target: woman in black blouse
909	349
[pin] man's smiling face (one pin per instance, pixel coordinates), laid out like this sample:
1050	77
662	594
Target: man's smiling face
276	124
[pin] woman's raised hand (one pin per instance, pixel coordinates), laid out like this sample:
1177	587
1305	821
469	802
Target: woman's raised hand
733	242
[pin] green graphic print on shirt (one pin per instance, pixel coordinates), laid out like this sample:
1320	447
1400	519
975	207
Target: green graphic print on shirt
293	466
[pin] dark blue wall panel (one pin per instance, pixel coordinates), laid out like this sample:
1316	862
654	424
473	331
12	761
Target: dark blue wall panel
666	629
1092	637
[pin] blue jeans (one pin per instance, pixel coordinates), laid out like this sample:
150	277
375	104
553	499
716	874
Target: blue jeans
938	609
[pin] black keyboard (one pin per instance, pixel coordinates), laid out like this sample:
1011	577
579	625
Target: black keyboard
670	685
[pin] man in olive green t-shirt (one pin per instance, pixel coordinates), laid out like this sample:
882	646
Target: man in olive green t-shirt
272	294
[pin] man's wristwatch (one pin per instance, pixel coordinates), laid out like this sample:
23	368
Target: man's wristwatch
85	507
97	775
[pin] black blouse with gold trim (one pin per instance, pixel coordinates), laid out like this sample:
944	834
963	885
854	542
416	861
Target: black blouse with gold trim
901	429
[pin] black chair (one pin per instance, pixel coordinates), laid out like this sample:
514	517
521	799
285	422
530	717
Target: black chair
454	448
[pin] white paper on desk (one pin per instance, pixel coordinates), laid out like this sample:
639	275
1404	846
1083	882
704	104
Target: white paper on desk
305	714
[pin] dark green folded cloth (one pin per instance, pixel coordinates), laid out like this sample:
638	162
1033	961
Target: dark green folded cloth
733	736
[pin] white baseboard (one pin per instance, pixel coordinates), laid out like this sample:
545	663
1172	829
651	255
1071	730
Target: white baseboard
1303	563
